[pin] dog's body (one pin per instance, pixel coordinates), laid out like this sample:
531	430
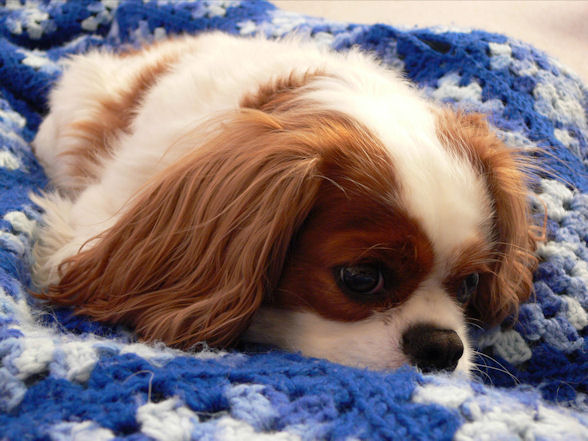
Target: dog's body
209	187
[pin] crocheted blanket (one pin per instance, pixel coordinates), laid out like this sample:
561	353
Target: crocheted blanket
63	377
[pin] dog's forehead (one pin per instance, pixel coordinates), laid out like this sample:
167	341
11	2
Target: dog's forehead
436	186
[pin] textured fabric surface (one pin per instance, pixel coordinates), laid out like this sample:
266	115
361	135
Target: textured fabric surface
63	377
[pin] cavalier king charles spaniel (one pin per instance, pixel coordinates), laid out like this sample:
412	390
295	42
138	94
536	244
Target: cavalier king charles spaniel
213	188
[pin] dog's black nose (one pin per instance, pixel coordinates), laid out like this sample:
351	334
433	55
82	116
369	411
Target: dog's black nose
432	349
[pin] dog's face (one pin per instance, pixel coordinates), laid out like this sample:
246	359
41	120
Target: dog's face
345	218
400	248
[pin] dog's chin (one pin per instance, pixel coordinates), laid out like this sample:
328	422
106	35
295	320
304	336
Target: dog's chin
373	343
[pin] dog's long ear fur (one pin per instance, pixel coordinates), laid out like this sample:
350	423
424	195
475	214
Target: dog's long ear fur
192	257
505	171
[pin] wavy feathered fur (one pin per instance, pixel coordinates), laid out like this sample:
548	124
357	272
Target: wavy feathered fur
192	258
515	235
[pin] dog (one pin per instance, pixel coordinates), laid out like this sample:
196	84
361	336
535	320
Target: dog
214	188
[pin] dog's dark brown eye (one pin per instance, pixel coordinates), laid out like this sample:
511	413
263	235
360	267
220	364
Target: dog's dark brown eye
468	288
362	279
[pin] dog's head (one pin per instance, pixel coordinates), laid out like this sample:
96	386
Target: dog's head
351	223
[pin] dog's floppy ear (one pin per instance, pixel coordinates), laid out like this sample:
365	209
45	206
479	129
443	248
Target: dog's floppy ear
192	257
505	172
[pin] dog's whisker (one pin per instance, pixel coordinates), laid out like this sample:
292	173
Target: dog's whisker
502	368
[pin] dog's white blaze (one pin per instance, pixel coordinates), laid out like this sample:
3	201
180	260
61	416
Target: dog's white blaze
439	189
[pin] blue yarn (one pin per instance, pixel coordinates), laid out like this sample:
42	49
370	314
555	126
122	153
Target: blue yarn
79	324
345	401
61	373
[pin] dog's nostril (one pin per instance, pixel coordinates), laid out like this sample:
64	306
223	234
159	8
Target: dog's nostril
432	349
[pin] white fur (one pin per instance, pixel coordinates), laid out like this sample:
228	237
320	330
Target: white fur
373	342
212	74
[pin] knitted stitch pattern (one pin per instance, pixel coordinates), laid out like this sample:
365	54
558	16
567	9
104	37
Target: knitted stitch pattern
64	377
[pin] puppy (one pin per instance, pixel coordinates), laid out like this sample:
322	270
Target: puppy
209	188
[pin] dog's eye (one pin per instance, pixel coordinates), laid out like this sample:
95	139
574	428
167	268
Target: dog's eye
364	279
468	288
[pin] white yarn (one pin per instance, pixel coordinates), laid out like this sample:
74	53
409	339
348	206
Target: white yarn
37	353
79	359
512	347
501	55
167	420
9	161
230	429
449	89
576	315
559	99
21	223
445	394
493	415
85	431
